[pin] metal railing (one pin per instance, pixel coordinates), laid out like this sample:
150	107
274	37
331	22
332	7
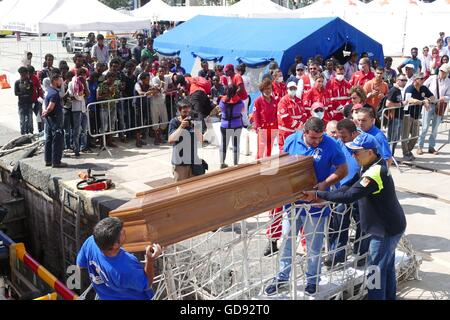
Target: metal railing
393	121
124	115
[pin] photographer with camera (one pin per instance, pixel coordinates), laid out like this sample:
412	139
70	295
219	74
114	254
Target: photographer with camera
185	136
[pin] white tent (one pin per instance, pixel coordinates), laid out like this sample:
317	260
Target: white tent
159	10
435	16
258	9
48	16
331	8
386	21
152	10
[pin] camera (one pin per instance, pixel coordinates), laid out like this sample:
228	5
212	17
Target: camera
189	119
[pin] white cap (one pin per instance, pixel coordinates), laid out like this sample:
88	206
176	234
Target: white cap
291	84
409	65
445	67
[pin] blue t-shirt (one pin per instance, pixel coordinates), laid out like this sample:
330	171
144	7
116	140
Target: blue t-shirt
352	164
53	96
114	278
327	155
384	148
417	63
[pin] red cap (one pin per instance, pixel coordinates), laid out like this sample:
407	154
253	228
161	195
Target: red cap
228	67
317	105
357	106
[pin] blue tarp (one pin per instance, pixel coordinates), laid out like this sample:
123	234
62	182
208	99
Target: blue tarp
259	40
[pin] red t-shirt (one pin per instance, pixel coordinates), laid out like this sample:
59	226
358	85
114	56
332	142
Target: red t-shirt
37	89
238	81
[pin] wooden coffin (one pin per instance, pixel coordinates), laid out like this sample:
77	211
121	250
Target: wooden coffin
183	210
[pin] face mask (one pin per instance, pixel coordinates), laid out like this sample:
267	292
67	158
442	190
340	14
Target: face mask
318	115
280	79
339	77
292	93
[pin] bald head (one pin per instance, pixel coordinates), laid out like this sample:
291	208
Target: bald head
332	129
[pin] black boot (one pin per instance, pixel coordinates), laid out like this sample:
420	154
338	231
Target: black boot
271	248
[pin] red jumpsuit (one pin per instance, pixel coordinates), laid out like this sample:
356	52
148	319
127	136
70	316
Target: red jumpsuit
265	122
316	95
339	97
360	78
291	116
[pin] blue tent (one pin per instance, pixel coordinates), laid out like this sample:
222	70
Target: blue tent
257	41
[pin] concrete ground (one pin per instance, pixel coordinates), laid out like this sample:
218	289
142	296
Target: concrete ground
422	190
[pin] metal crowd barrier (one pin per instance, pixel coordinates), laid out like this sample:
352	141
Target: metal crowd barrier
392	126
124	115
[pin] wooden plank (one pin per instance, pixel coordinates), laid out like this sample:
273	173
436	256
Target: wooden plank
180	211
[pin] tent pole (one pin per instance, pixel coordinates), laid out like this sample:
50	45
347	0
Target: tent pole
40	48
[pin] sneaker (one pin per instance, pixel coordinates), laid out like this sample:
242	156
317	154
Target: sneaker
77	154
271	248
275	286
361	262
330	263
408	157
433	151
223	166
48	164
310	288
60	165
419	151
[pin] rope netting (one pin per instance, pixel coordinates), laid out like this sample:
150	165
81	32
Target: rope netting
229	263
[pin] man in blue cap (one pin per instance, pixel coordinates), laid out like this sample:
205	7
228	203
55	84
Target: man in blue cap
381	213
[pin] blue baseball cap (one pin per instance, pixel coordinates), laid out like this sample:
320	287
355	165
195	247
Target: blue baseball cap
363	141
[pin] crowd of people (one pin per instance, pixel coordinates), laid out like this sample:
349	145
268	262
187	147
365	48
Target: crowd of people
331	110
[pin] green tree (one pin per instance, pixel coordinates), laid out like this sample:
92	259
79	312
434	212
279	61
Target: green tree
116	3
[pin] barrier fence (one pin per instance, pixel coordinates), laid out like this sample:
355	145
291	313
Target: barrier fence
393	122
229	263
131	114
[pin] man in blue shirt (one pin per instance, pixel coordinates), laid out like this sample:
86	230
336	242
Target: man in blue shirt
327	154
381	213
53	115
340	218
365	119
115	273
413	60
178	69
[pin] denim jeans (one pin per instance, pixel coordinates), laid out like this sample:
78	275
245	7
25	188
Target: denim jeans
339	231
314	230
382	255
54	138
68	127
428	116
26	119
83	131
76	130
